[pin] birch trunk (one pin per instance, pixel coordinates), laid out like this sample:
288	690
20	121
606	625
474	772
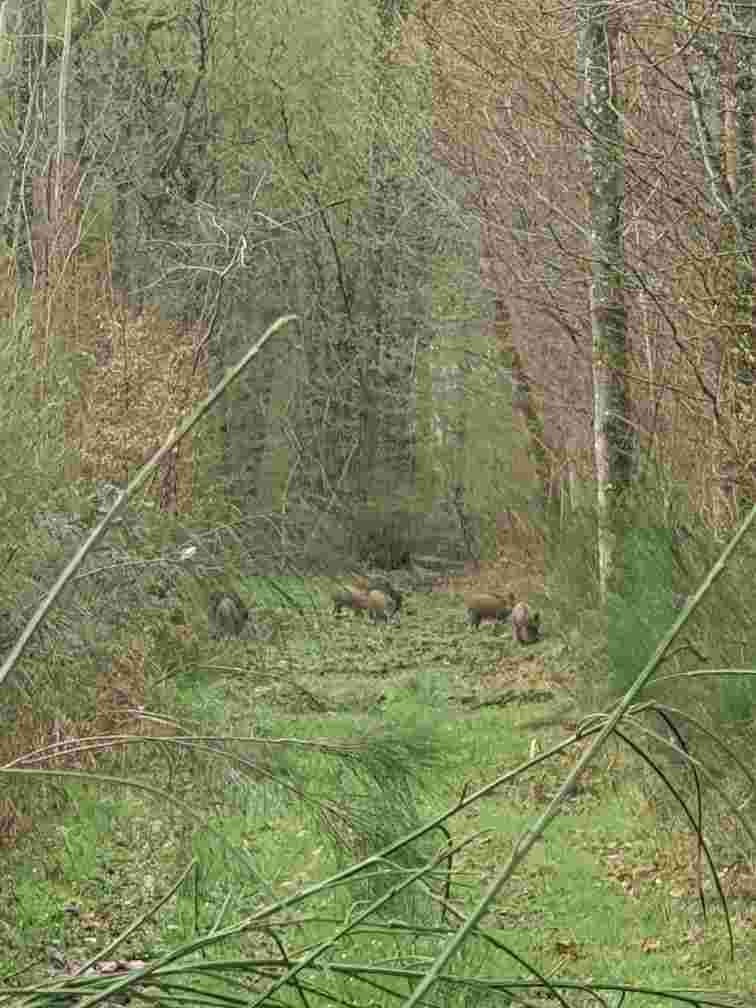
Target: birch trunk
605	156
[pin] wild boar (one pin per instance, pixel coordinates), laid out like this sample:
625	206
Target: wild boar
227	613
350	598
381	606
526	626
486	606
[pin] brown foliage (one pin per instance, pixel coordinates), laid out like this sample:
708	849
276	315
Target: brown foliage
507	113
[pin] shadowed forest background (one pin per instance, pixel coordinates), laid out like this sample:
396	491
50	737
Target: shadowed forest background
517	245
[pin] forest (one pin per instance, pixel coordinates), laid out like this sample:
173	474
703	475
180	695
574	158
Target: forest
377	502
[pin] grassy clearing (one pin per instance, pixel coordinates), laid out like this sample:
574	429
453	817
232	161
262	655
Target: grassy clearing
609	893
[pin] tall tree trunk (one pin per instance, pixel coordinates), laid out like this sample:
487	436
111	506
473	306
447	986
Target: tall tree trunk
522	398
388	364
449	423
744	18
613	439
731	51
25	21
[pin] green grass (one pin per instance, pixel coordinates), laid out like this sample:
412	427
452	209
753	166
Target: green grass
607	894
282	591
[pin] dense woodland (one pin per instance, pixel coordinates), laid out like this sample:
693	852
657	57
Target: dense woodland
473	210
492	268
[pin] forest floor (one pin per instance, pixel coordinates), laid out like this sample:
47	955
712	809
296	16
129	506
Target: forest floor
611	892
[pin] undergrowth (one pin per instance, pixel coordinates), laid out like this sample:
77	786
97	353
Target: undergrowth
355	736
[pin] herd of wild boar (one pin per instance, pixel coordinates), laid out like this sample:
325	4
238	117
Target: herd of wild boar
381	601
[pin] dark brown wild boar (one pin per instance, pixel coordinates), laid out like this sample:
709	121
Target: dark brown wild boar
526	626
486	606
227	613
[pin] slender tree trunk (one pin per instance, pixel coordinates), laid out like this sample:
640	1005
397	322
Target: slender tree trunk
604	149
744	16
731	51
388	365
25	87
449	422
522	398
